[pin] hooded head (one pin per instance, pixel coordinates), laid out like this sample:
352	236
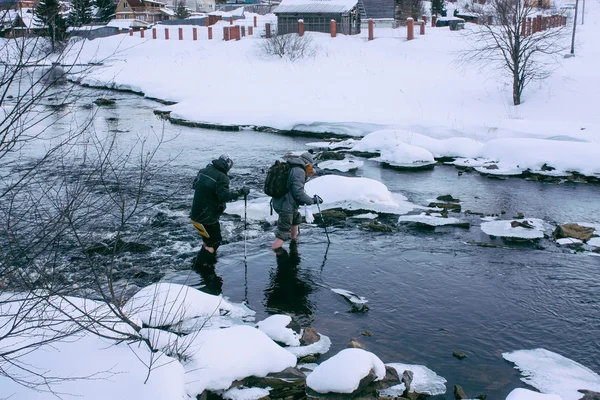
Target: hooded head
224	162
307	158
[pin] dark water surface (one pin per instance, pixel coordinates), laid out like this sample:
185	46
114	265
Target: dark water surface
429	292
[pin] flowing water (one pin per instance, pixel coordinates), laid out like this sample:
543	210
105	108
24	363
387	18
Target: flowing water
429	292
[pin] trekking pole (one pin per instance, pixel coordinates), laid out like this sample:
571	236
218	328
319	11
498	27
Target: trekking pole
324	225
245	237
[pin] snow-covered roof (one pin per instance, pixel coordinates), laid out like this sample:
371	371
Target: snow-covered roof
167	11
127	23
315	6
154	1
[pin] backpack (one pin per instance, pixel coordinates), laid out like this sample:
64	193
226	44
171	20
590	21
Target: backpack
276	183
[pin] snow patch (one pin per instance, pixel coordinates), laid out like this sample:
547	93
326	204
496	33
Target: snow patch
425	381
320	347
342	165
431	220
276	328
246	393
504	229
526	394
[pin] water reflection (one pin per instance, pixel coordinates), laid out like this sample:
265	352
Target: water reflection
290	287
211	282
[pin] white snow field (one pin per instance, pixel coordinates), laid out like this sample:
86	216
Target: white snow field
552	373
343	372
526	394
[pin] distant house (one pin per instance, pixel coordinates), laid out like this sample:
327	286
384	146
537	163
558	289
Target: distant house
377	10
18	23
17	4
204	6
126	24
317	16
144	10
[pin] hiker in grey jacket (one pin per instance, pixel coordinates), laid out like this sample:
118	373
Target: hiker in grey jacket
287	206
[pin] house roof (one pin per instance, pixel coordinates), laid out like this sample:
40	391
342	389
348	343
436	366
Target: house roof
315	6
127	23
135	3
167	11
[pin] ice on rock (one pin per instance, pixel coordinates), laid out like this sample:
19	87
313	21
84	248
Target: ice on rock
246	393
424	381
164	304
431	220
341	165
393	391
595	241
503	228
320	347
333	145
552	373
357	193
258	209
343	372
220	356
526	394
276	328
351	297
568	241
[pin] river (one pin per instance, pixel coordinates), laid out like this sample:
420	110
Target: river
429	292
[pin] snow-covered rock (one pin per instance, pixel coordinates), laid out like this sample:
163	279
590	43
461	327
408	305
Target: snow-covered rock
357	193
333	145
431	220
424	381
343	372
379	141
526	394
342	165
245	393
504	228
220	356
568	241
276	328
320	347
164	304
552	373
406	156
351	297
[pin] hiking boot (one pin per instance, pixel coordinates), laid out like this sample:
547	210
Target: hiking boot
294	247
281	253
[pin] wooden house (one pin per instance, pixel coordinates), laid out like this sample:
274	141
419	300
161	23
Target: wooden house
317	16
143	10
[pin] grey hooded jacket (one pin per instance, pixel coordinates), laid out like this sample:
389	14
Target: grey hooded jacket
296	196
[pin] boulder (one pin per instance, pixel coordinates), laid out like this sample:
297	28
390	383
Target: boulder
391	379
589	395
447	199
291	382
522	224
363	384
101	101
574	231
331	155
459	393
309	336
354	344
330	216
407	378
376	226
459	354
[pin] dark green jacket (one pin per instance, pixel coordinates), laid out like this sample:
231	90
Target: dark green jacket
211	193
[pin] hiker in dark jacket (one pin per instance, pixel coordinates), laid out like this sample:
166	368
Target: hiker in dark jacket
287	206
211	193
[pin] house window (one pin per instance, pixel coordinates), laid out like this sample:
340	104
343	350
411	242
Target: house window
124	4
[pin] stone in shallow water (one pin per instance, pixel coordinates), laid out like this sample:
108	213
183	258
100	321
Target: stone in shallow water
309	336
574	231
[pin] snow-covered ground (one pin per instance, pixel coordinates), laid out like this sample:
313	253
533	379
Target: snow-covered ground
432	104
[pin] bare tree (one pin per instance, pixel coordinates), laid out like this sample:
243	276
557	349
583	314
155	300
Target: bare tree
513	37
291	46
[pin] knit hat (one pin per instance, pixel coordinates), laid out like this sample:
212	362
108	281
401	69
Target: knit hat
307	158
228	160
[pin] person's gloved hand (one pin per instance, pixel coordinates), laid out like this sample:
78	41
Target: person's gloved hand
317	199
244	191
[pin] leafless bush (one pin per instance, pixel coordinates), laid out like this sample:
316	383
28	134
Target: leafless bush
291	46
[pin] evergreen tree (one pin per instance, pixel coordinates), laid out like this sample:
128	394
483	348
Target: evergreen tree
181	11
437	7
106	10
81	12
47	13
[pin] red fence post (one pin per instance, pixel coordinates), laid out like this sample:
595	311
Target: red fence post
243	30
231	20
194	33
130	31
410	28
207	21
268	31
524	26
255	21
180	33
142	33
166	33
210	33
238	35
300	27
225	33
153	33
539	23
250	31
333	28
433	20
371	24
424	18
528	29
422	27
